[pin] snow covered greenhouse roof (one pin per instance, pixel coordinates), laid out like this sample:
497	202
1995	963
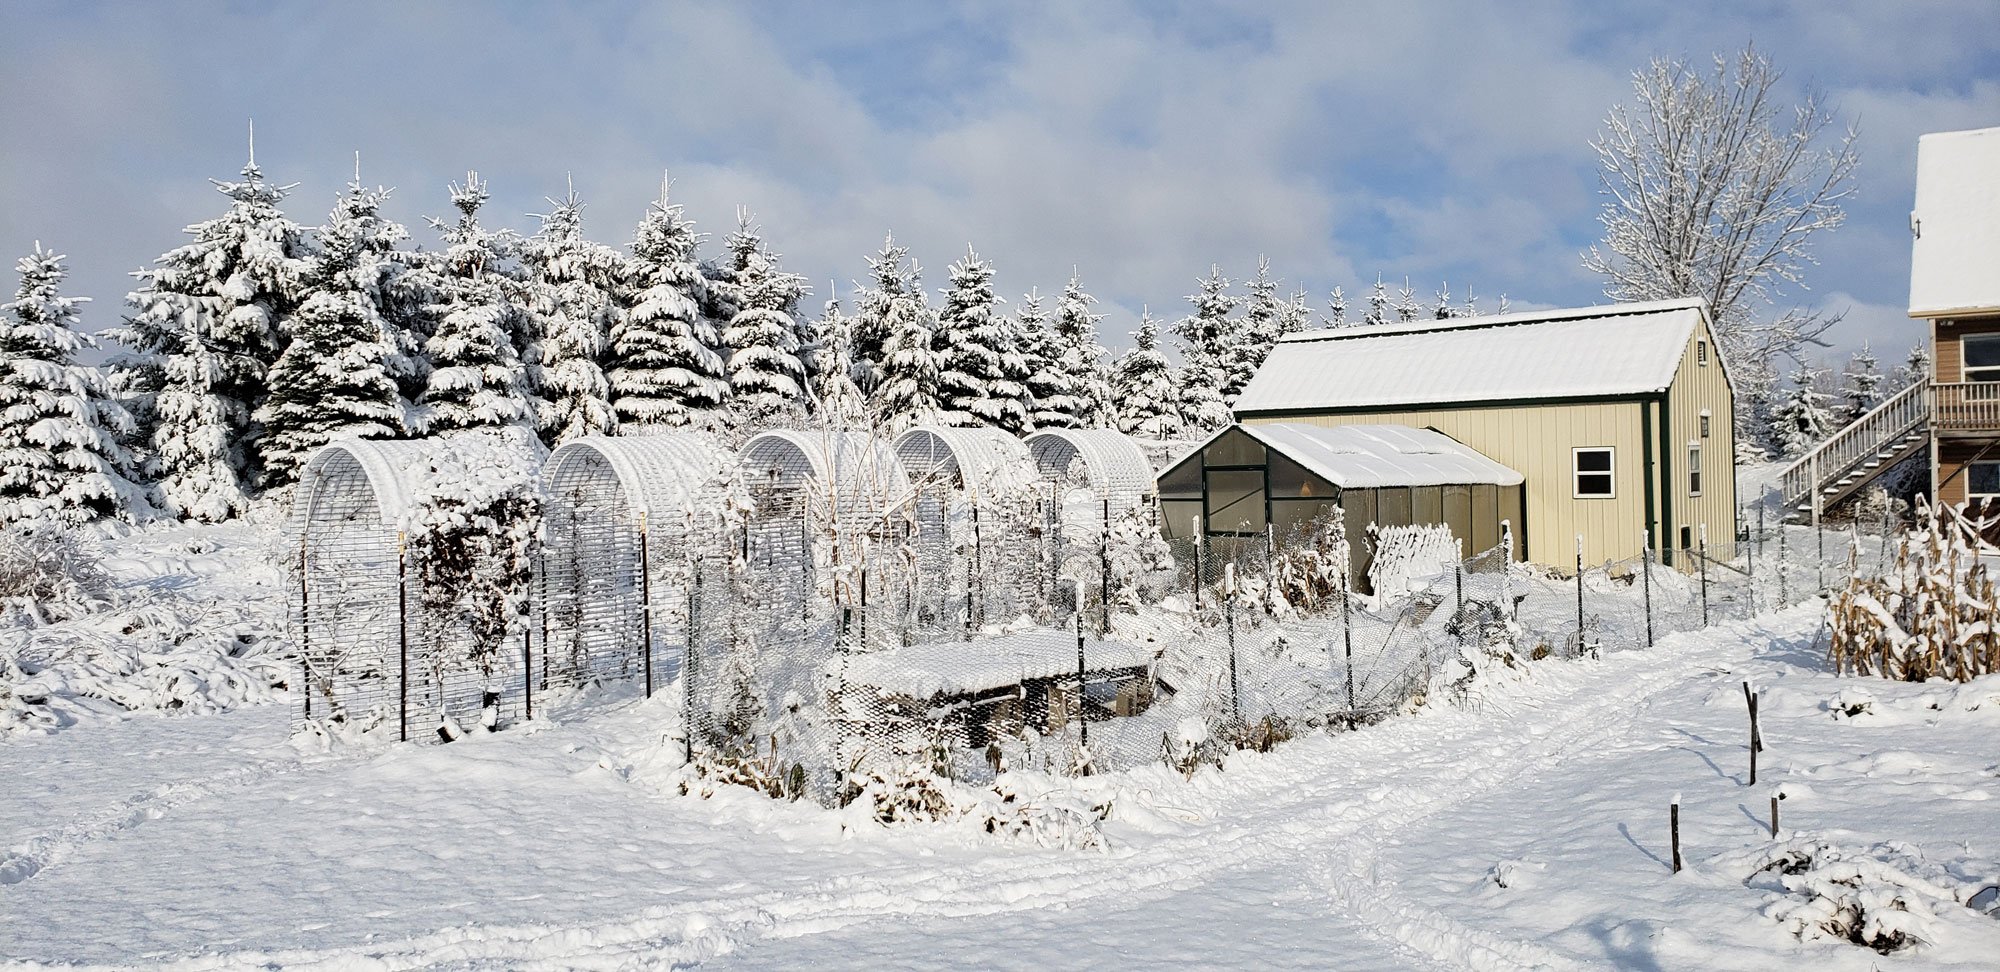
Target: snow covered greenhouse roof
1114	465
1618	349
852	471
1374	456
975	459
671	475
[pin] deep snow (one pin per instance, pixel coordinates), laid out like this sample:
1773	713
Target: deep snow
211	841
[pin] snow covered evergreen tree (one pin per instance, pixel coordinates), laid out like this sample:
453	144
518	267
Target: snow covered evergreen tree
1050	399
1148	404
1442	310
665	369
1206	337
574	286
1258	329
1336	308
478	378
1378	303
1407	308
207	328
893	295
1916	367
980	383
1804	416
1863	384
766	376
906	380
1294	315
1081	358
834	399
60	456
337	377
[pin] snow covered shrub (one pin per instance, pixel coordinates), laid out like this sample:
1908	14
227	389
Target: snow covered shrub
1887	897
1142	565
1931	616
1312	569
743	765
46	574
471	537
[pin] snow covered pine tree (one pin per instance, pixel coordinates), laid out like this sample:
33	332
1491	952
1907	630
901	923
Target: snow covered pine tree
573	287
1143	387
665	370
477	376
208	327
336	378
906	391
980	382
1081	358
766	377
1206	337
60	458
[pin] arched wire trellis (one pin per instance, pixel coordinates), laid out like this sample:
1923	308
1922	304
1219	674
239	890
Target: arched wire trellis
845	491
961	517
371	652
622	517
976	460
1111	464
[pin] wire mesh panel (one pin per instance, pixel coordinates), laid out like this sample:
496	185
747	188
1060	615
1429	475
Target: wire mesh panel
1113	466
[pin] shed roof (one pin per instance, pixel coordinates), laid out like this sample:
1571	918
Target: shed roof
1376	456
1618	349
1956	224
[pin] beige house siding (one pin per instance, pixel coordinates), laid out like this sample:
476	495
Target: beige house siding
1697	387
1536	440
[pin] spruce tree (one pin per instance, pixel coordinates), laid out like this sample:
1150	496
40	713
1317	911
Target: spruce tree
209	324
906	381
1378	303
665	369
1864	384
1804	416
835	400
574	289
60	455
1148	404
980	382
1081	358
1336	308
1050	398
337	377
1261	325
766	376
1407	308
477	378
891	296
1206	337
1441	307
1916	367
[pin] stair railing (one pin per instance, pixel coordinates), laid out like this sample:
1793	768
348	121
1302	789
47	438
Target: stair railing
1903	413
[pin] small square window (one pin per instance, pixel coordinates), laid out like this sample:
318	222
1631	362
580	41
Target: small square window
1593	471
1694	469
1982	481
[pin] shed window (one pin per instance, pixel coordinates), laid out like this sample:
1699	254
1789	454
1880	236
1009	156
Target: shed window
1694	469
1235	501
1704	425
1982	481
1982	357
1593	472
1701	353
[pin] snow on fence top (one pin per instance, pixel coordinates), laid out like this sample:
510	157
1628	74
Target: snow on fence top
671	475
978	460
962	667
1116	468
1956	224
854	472
1378	456
1619	349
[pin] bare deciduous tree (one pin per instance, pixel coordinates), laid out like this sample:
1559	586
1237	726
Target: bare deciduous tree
1714	189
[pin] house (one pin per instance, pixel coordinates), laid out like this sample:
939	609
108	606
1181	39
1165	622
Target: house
1955	287
1618	419
1281	477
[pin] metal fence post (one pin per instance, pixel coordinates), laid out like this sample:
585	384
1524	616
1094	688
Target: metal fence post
402	639
1082	676
1347	638
1784	554
1702	555
1750	560
1646	573
1579	594
646	596
1104	577
1819	558
1235	689
691	660
305	626
1200	543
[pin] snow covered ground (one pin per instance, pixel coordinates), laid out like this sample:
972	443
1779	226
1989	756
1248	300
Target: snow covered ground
1524	826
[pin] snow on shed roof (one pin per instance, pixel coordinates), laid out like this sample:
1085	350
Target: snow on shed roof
1375	456
1618	349
960	667
1956	224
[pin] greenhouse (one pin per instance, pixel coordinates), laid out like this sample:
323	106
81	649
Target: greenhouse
621	512
373	649
1249	485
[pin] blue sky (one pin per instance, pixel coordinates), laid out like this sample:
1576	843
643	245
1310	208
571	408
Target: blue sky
1137	143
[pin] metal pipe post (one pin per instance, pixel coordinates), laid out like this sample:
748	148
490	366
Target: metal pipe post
646	597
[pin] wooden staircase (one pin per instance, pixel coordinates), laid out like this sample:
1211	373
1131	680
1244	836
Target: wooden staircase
1851	458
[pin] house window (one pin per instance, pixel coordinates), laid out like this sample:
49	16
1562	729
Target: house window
1982	357
1592	471
1982	481
1694	469
1701	353
1704	424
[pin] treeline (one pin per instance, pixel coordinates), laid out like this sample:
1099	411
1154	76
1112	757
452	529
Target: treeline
259	340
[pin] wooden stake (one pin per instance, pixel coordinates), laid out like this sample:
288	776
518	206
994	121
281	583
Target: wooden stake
1775	797
1674	824
1756	738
